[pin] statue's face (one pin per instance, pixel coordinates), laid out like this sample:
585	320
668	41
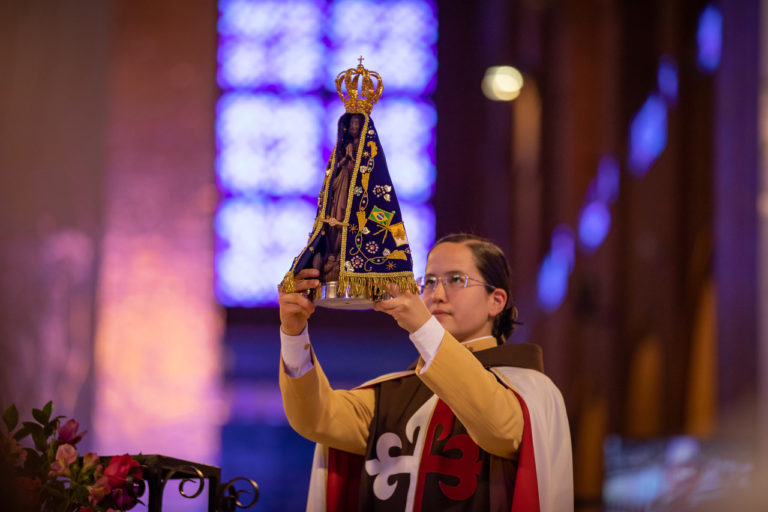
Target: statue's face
354	126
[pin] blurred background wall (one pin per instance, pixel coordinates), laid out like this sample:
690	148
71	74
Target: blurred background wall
625	182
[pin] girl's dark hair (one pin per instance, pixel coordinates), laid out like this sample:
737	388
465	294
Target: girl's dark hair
493	267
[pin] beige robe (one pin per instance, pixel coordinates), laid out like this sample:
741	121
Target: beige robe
340	418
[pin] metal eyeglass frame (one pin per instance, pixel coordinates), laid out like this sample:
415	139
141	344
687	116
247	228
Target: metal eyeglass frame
421	282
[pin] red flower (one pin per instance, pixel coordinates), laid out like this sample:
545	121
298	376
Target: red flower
120	468
68	432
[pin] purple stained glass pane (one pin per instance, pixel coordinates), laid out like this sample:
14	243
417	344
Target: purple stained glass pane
555	269
594	224
397	39
647	134
276	124
709	37
257	239
269	145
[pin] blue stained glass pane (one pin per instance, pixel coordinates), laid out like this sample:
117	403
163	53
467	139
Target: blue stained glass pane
419	220
294	64
563	244
555	269
243	64
271	44
667	79
647	134
258	240
414	20
552	282
639	488
276	124
594	224
606	183
267	21
709	37
362	20
406	128
395	38
270	145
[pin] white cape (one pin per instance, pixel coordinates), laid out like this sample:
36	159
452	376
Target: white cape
551	446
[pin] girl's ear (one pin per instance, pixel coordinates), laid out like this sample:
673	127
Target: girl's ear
498	300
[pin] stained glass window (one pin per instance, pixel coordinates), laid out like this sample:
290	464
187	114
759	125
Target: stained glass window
276	125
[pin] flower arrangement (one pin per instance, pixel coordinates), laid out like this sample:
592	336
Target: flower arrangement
52	477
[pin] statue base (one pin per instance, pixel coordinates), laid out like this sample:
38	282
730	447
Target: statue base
333	298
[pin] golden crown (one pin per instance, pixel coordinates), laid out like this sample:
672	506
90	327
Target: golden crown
359	102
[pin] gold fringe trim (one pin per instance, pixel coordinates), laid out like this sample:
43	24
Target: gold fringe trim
376	287
288	285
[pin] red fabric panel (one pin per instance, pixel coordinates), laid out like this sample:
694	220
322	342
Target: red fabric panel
467	468
526	495
343	484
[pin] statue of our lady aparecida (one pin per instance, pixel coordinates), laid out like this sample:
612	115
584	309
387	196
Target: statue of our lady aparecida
358	240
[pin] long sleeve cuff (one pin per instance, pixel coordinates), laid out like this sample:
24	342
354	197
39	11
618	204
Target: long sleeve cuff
427	340
296	354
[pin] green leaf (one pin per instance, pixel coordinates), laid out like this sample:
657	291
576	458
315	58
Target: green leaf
11	418
39	440
56	489
32	428
50	429
39	416
35	462
21	434
47	410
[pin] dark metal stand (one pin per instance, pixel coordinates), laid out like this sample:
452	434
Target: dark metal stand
157	470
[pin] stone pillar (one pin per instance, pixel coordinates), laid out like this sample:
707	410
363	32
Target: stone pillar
157	340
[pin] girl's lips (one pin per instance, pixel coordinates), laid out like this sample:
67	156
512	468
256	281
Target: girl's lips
439	312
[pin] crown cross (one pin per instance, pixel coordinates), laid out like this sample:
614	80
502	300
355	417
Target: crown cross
362	100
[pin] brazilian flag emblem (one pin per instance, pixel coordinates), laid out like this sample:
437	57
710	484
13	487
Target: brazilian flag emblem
381	217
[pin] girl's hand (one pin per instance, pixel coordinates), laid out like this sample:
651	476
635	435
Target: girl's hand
407	309
296	308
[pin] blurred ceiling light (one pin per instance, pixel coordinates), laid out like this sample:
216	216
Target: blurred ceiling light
502	83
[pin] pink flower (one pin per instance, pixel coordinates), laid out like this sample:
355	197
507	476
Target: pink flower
90	460
65	455
68	432
120	468
99	489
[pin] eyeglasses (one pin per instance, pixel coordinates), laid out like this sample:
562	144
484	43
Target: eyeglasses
451	281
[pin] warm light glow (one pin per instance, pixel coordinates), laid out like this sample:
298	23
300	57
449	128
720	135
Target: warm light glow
157	351
502	83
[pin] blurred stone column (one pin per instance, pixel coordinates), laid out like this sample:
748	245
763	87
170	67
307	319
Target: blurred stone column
157	340
762	258
736	180
53	58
